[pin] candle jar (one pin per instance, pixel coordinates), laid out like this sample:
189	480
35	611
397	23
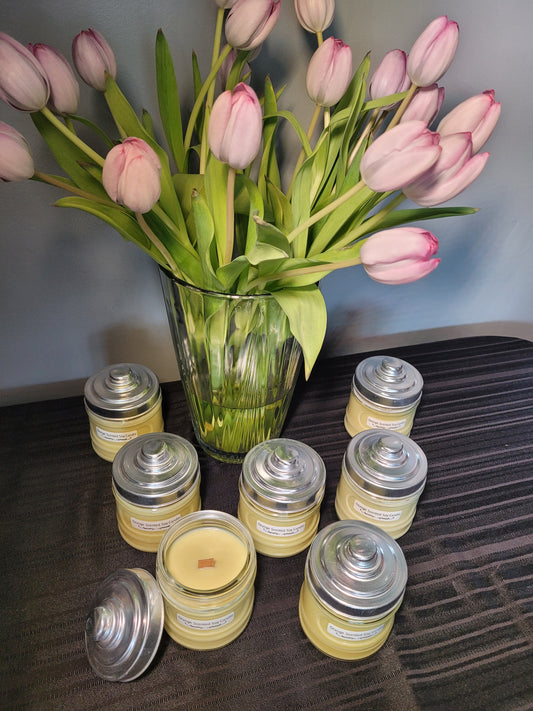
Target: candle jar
281	487
206	567
383	476
156	480
355	578
122	401
385	394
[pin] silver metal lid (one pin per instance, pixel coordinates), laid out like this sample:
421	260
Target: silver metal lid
155	468
122	390
124	625
356	570
388	381
385	463
283	475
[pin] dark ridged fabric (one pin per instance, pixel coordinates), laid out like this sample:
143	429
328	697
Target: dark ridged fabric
462	640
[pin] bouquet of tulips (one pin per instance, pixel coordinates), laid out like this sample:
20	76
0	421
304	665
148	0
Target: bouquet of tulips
212	207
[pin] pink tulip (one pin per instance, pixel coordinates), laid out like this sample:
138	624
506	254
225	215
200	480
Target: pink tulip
132	175
235	127
390	76
425	104
479	115
329	72
454	171
433	51
16	162
64	89
399	255
93	58
23	81
399	156
315	15
250	22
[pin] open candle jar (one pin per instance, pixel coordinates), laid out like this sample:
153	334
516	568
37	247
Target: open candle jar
206	566
156	480
384	395
355	578
383	476
281	487
122	401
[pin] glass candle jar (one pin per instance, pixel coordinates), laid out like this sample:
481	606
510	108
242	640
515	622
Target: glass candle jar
156	480
385	394
355	578
281	487
206	567
383	476
122	401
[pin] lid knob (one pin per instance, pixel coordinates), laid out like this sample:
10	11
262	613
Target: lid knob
389	450
361	556
391	369
283	461
154	455
120	378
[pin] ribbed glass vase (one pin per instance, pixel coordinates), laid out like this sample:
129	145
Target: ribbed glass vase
238	363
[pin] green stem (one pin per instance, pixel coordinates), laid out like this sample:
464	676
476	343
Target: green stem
211	91
368	128
304	271
371	224
170	263
401	108
64	185
95	157
230	217
158	210
326	210
202	94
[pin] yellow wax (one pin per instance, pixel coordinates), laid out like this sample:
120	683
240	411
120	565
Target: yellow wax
361	414
206	558
339	636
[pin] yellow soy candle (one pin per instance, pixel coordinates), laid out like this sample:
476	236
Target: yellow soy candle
281	488
384	395
383	476
156	481
122	402
355	578
206	567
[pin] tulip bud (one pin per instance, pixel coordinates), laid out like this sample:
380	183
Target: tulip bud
314	15
479	115
425	104
399	255
16	162
329	72
132	175
250	22
390	76
64	89
454	171
399	156
93	58
23	81
433	51
236	127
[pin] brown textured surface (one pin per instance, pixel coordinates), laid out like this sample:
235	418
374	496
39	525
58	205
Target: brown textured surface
462	640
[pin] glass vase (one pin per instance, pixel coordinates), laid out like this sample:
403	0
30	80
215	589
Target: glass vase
238	363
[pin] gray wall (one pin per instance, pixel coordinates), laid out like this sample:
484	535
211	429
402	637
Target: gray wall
76	297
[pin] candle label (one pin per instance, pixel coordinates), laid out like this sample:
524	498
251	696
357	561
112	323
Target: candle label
206	563
115	436
154	525
375	514
206	624
281	531
375	423
353	635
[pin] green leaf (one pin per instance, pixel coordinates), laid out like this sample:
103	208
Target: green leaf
216	185
197	83
269	169
307	314
148	124
401	217
281	207
205	233
300	131
229	273
169	104
68	156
